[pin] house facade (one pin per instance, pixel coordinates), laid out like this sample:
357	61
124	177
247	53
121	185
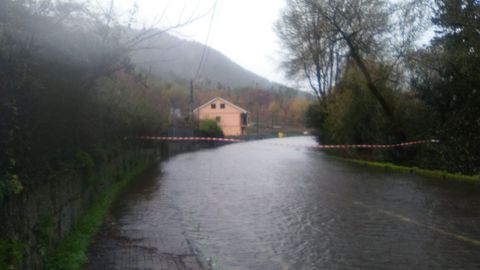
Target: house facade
232	119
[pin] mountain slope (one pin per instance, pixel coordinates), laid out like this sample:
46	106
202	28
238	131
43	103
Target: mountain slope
172	59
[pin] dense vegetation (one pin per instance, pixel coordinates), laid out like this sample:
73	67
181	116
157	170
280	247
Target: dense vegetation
447	81
68	93
376	85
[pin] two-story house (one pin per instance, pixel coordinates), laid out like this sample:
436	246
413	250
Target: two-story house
232	119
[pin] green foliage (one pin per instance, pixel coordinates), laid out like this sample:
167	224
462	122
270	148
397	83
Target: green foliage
443	103
354	116
71	252
63	90
210	128
11	254
315	115
9	179
10	185
43	235
83	160
446	79
434	174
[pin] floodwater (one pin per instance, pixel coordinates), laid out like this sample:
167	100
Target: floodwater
260	205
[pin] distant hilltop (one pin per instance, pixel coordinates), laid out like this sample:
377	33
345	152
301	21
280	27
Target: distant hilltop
172	59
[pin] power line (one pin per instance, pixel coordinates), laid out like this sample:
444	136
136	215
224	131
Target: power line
205	48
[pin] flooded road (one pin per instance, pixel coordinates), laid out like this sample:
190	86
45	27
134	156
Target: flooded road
258	205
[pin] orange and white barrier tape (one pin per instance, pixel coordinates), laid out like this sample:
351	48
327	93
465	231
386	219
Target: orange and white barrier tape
320	146
156	138
364	146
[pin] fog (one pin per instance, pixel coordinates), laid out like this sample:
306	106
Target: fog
242	30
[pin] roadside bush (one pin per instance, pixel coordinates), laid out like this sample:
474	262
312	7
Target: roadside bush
11	254
210	128
352	115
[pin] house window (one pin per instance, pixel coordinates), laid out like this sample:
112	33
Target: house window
222	106
213	105
243	119
218	118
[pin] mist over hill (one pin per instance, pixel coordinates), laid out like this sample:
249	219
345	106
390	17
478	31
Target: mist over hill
172	59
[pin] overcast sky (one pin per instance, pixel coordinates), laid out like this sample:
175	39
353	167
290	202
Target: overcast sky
241	29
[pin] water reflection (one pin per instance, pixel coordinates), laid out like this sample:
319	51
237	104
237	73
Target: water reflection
262	206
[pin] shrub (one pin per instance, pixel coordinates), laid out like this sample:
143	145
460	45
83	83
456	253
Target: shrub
11	254
210	128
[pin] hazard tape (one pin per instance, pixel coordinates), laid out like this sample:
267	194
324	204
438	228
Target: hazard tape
364	146
319	146
155	138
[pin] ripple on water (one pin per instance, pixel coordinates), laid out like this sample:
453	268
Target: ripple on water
260	206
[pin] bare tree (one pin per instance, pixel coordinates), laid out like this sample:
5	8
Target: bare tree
312	51
126	35
322	35
113	34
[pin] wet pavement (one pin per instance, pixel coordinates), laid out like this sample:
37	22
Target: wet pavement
143	231
257	205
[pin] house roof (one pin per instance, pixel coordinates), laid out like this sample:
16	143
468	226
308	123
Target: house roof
224	100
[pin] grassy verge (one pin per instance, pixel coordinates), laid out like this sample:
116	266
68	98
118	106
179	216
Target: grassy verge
71	252
418	171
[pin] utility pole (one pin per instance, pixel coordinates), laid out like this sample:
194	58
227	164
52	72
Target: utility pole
258	124
272	123
190	106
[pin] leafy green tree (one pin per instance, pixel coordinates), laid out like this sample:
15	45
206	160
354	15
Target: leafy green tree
447	79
